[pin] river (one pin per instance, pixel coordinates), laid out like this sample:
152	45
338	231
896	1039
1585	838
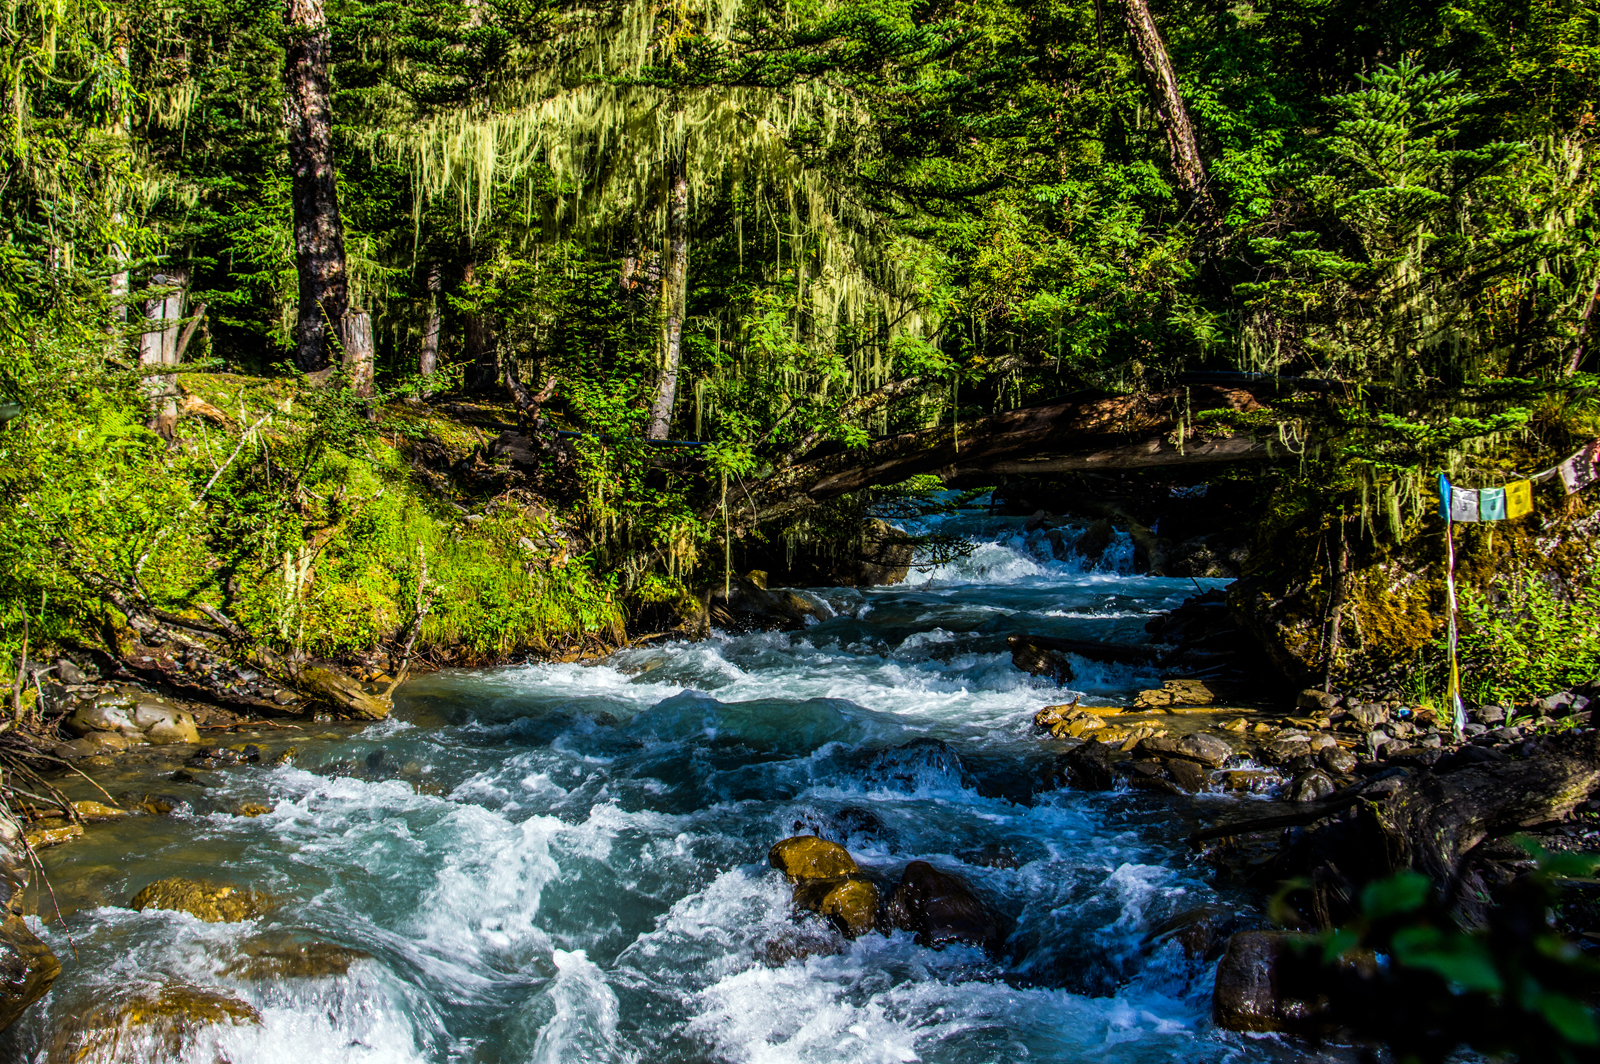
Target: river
561	863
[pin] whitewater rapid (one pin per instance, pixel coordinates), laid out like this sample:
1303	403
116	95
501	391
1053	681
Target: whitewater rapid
562	863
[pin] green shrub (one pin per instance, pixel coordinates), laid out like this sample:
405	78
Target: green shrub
1529	640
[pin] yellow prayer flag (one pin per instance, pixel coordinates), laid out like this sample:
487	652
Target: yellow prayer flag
1519	499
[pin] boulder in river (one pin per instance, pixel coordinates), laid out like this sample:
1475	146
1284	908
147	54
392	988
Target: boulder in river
850	902
941	908
213	903
144	1022
1087	767
1264	983
804	857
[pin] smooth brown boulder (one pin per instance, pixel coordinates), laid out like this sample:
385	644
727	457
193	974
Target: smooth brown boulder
1206	749
164	1021
803	857
1251	991
850	903
941	908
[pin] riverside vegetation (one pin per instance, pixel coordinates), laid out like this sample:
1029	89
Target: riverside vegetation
351	340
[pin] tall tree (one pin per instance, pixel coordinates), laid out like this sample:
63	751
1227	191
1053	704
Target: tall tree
318	230
1187	164
674	300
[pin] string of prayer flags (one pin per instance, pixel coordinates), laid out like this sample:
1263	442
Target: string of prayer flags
1582	469
1461	505
1519	499
1491	504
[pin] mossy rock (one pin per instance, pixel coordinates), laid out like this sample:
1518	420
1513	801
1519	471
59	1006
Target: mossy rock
215	904
804	857
144	1023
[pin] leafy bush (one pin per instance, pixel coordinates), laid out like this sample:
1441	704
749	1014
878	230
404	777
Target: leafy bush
1529	641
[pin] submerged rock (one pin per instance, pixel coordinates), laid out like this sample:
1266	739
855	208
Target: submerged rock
1202	932
915	765
804	857
286	957
849	903
215	904
941	908
796	945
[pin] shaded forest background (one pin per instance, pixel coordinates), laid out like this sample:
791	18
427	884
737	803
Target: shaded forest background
764	227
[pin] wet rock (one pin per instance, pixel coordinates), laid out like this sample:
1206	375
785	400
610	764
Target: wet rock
1187	775
70	674
1337	760
27	967
804	857
1264	985
1087	767
849	903
1092	544
1206	749
153	804
250	809
991	855
1250	993
1312	699
921	763
797	945
1177	693
286	957
941	908
215	904
107	713
44	837
1253	781
1369	714
1201	932
1148	774
1311	786
144	1023
1285	751
98	811
165	725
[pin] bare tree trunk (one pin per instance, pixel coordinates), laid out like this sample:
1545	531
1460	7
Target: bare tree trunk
482	348
358	355
318	231
158	346
674	298
1187	164
428	360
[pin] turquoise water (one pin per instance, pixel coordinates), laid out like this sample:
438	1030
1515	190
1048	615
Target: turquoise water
559	863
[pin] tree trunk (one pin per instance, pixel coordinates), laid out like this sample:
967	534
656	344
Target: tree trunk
358	351
674	300
484	373
158	346
318	231
428	360
1187	164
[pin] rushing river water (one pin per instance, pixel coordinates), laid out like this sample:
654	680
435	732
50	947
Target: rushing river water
562	863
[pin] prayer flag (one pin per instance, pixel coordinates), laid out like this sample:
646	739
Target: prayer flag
1519	499
1491	504
1579	471
1463	504
1444	498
